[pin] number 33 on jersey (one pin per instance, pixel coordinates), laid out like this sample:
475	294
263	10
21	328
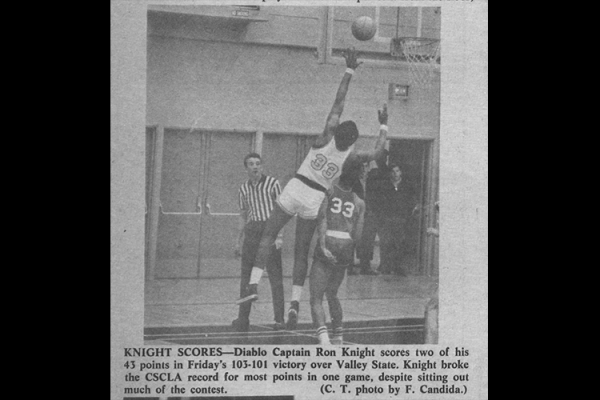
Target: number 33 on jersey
342	210
319	163
347	208
324	165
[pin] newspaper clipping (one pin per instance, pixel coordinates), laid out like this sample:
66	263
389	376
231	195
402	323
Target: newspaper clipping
299	199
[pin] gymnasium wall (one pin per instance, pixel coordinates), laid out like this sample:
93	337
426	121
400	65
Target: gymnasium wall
214	75
292	25
224	81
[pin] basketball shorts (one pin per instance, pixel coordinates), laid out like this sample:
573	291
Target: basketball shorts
341	248
300	199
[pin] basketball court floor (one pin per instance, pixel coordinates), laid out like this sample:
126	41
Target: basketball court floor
382	309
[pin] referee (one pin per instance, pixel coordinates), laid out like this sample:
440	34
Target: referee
257	199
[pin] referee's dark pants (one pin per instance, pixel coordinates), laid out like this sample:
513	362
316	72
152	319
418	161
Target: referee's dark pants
366	246
252	235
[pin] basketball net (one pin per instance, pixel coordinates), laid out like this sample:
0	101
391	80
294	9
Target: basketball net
422	56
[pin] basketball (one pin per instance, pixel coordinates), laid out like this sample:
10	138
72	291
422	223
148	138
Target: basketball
363	28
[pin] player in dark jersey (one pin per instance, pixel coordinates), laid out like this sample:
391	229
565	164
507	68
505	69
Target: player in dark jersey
341	219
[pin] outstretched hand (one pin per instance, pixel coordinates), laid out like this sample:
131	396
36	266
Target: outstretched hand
351	58
383	115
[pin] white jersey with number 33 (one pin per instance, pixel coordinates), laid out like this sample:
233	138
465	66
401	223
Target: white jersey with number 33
324	165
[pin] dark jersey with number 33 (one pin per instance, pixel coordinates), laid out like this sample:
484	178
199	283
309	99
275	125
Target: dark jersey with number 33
342	215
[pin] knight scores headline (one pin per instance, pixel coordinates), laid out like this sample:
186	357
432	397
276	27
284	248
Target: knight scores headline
259	352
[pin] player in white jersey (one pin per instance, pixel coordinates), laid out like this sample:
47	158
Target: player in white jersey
304	193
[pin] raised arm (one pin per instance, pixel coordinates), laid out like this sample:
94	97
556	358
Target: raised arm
380	145
333	119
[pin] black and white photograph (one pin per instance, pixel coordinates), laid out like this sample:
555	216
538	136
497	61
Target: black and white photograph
299	199
292	158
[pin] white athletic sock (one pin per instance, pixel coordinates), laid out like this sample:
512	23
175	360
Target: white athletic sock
323	336
255	275
296	293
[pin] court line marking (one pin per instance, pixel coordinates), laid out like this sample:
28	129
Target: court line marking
227	334
266	328
283	333
300	331
371	322
262	335
267	301
269	330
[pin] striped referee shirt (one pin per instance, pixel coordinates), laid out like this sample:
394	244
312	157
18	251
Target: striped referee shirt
259	199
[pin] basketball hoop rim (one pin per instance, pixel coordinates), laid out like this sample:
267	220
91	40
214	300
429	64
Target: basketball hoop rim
412	46
421	40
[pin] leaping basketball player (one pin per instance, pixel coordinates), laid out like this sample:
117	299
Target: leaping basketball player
304	193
